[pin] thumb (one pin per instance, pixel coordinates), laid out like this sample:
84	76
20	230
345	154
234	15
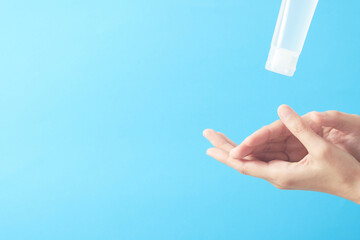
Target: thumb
298	127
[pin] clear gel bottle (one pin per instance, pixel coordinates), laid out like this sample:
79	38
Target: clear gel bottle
290	33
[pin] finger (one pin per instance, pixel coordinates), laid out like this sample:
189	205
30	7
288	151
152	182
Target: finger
227	139
341	121
275	131
269	156
270	171
218	154
223	156
256	169
217	140
299	128
243	149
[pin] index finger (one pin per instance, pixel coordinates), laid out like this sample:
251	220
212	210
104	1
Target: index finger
274	132
219	140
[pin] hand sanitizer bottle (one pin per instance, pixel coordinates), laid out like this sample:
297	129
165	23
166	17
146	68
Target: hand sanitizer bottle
290	33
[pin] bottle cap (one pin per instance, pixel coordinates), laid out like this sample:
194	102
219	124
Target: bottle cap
282	61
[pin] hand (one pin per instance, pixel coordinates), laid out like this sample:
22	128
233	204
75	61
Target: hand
318	152
338	128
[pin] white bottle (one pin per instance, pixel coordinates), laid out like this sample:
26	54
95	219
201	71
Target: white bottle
290	33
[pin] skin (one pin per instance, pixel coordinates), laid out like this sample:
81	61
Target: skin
315	152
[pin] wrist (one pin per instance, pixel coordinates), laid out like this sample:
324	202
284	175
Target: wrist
348	186
355	197
354	189
356	193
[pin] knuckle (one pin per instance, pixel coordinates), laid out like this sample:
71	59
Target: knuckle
334	113
308	115
313	113
355	117
316	116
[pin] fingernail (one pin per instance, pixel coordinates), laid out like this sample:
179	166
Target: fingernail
206	132
285	112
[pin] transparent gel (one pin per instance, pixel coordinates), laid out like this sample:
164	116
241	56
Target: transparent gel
290	33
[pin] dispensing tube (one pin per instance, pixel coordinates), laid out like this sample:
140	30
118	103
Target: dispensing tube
290	33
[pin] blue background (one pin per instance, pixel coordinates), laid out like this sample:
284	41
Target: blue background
103	103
